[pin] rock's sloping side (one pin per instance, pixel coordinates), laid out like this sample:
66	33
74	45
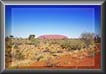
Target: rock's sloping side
52	37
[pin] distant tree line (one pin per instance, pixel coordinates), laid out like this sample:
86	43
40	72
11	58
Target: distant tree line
87	37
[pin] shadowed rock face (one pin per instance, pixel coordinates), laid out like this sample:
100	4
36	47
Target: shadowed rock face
52	37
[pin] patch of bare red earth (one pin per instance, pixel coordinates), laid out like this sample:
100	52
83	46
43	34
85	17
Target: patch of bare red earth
69	62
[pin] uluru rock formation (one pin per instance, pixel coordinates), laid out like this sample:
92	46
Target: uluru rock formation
52	37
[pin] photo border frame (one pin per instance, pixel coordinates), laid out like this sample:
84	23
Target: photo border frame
102	3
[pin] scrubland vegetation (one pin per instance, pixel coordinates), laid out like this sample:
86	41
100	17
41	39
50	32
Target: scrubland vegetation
29	51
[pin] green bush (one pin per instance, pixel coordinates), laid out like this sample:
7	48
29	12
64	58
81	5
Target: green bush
88	38
34	42
72	44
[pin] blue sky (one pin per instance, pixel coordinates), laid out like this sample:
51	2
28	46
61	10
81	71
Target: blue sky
68	21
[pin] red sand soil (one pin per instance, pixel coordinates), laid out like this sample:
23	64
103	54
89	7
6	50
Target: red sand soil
69	62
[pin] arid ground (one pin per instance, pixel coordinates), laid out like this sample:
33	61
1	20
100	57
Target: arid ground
38	53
